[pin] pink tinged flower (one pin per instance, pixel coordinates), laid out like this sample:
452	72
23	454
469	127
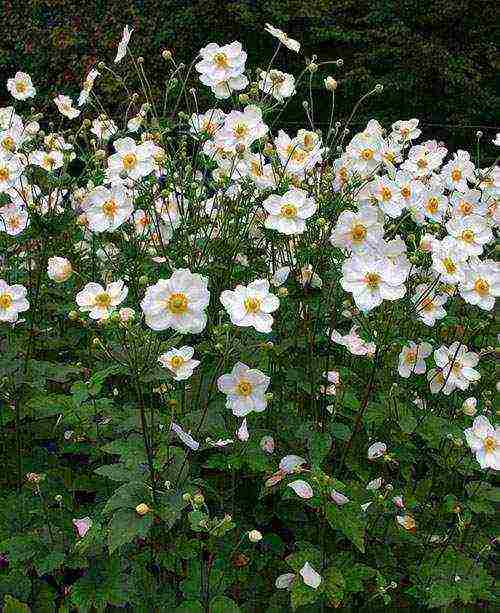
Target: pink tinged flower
291	463
123	44
310	576
185	437
353	342
14	219
399	502
484	441
407	522
288	213
179	362
21	86
82	526
251	306
412	359
375	484
242	432
301	488
338	498
283	37
65	106
469	406
98	301
377	450
59	269
285	581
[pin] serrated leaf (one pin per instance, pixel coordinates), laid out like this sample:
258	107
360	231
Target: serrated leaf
125	526
347	518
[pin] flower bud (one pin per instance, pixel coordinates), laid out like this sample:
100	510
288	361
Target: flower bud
330	84
254	536
142	509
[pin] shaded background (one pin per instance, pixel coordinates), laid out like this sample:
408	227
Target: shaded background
435	58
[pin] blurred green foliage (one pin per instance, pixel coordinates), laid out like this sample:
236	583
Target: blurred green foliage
436	58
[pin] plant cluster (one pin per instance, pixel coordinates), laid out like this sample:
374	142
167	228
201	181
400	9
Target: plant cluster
242	369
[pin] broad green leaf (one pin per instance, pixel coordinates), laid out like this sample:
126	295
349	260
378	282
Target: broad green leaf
125	526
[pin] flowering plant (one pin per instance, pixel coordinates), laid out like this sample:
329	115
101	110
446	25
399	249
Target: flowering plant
237	363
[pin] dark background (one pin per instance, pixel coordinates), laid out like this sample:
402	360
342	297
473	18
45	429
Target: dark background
436	59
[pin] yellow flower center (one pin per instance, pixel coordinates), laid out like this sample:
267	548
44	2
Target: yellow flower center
386	193
465	207
427	304
5	301
372	279
14	222
422	163
177	303
240	130
358	232
288	210
367	154
244	388
256	168
405	192
177	361
103	300
110	208
449	266
468	236
432	204
49	161
456	174
220	59
129	161
482	287
411	356
4	174
21	87
252	305
8	143
489	444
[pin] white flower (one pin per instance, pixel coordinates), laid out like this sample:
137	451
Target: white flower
448	259
496	140
412	359
49	161
208	123
457	171
104	128
429	304
288	213
126	315
10	170
338	497
21	86
375	484
65	106
407	522
387	193
14	219
457	366
180	362
372	280
267	444
241	128
481	284
291	463
284	39
178	302
310	576
251	305
59	269
279	85
185	437
123	44
406	130
99	302
254	536
134	160
285	581
87	87
245	389
12	301
358	231
353	342
469	406
376	450
107	208
365	153
221	68
484	441
471	233
301	488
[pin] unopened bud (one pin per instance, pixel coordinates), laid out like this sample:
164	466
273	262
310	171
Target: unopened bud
142	509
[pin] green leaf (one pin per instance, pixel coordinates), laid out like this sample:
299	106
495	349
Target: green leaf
319	445
334	585
349	521
407	420
222	604
11	605
127	496
125	526
189	606
50	563
340	431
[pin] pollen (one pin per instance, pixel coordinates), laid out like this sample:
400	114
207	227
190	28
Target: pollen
21	87
103	300
490	444
449	266
110	208
372	279
358	232
244	388
432	204
386	193
240	130
465	207
177	361
177	303
5	301
456	174
482	287
288	210
427	304
129	161
367	154
252	305
8	143
220	59
405	192
4	174
468	236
